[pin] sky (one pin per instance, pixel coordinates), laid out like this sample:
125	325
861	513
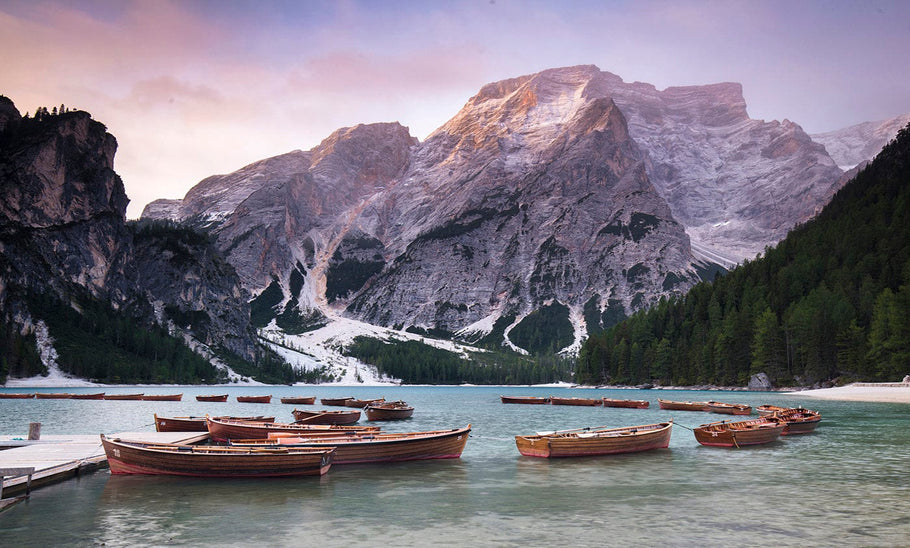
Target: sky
195	88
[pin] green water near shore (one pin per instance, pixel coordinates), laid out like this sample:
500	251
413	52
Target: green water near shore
848	483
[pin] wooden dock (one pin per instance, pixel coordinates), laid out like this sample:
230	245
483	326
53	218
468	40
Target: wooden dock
56	458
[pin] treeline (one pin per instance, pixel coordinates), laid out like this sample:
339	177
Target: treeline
418	363
831	300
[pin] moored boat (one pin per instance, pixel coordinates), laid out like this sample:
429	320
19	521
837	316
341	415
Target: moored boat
354	402
213	397
228	429
135	457
15	396
534	400
372	447
590	402
586	442
254	399
796	420
306	416
631	404
336	402
729	408
738	434
299	400
682	405
97	396
768	410
132	397
196	424
388	411
53	396
162	397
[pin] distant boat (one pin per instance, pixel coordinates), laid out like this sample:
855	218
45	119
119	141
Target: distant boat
213	398
254	399
354	402
372	447
53	396
299	401
135	457
162	397
196	424
15	396
591	402
228	429
336	402
388	411
796	420
306	416
729	408
525	399
123	396
683	405
632	404
587	442
98	396
738	434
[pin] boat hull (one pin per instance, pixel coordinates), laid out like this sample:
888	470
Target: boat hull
362	403
388	413
254	399
532	400
629	404
729	408
53	396
195	424
683	405
217	462
326	417
335	402
738	434
131	397
162	397
16	396
98	396
300	401
224	430
213	398
596	443
588	402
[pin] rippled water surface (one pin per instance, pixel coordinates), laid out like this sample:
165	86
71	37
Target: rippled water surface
848	483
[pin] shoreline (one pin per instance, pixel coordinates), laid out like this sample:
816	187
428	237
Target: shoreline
868	392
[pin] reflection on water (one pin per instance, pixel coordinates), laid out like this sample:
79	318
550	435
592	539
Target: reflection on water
847	483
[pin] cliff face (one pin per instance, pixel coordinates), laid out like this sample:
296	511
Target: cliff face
854	145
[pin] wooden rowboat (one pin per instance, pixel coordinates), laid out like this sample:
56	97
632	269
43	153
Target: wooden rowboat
372	447
123	396
254	399
336	402
632	404
587	442
134	457
305	416
525	399
162	397
729	408
354	402
196	424
682	405
53	396
591	402
228	429
768	410
738	434
796	420
388	411
300	401
15	396
213	398
98	396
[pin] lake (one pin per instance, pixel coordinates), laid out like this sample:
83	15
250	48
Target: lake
848	483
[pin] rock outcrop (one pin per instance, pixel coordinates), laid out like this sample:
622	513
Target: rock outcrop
854	145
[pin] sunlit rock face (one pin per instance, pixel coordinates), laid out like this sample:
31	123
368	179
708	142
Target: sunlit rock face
854	145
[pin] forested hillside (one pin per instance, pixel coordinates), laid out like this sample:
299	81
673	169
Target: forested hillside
831	301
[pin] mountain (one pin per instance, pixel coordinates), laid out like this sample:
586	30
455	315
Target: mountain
853	145
567	194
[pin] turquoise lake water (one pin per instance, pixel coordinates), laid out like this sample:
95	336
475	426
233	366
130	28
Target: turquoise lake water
846	484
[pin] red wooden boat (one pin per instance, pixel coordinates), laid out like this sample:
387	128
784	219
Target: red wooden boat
53	396
682	405
299	401
371	447
123	396
591	402
354	402
796	420
525	399
587	442
162	397
388	411
738	434
632	404
134	457
336	402
98	396
15	396
729	408
227	429
305	416
213	398
196	424
254	399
